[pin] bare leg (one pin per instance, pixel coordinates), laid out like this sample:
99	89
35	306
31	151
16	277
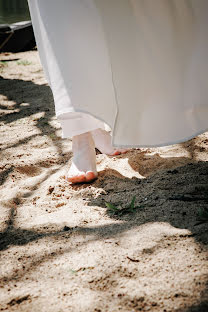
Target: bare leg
83	167
102	141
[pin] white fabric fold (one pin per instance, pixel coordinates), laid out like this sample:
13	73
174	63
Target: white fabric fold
139	66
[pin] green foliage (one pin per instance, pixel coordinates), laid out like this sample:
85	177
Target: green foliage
120	211
24	62
72	271
202	216
52	136
111	207
3	64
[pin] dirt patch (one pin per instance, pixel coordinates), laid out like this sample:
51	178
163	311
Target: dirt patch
61	248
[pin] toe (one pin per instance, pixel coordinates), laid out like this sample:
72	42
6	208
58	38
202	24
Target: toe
124	151
77	179
115	153
119	152
90	176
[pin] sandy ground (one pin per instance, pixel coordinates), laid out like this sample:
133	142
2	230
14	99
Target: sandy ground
61	248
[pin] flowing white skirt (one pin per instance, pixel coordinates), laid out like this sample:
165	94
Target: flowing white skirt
140	66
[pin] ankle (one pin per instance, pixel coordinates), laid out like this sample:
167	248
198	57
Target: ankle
84	139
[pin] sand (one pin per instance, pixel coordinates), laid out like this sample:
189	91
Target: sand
61	248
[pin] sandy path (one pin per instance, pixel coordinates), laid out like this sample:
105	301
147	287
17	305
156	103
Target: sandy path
61	248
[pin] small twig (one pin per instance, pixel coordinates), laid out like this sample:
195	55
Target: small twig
6	40
133	260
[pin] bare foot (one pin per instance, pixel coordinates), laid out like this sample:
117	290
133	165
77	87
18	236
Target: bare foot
102	141
83	167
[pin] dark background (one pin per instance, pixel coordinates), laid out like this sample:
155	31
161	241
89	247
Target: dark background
12	11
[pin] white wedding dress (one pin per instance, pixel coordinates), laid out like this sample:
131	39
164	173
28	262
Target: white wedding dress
139	66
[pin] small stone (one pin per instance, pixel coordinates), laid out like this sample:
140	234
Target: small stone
51	189
66	228
60	205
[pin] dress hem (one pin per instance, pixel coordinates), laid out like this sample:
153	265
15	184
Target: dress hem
134	145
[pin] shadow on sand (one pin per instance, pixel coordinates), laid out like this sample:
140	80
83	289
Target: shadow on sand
171	192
